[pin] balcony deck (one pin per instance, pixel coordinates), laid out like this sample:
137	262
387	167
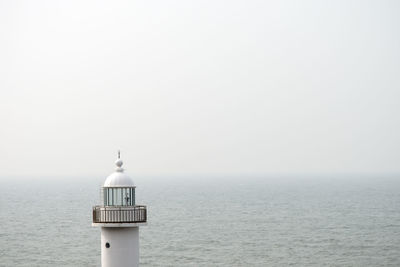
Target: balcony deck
119	215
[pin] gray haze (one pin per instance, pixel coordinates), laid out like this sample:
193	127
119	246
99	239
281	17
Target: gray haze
199	87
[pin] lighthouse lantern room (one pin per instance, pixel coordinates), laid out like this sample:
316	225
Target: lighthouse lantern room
119	218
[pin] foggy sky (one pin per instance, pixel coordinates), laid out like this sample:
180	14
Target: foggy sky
199	87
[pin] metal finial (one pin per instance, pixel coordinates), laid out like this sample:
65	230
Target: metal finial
119	162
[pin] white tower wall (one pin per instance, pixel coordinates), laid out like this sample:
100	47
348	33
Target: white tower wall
123	250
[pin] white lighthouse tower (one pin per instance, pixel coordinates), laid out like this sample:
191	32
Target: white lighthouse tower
119	218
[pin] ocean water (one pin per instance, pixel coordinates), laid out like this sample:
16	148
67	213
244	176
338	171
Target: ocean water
241	221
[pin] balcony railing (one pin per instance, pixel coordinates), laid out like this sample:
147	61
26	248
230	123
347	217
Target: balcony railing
121	214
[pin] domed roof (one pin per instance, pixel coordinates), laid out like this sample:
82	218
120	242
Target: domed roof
118	178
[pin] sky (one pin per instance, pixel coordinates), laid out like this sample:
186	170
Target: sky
199	87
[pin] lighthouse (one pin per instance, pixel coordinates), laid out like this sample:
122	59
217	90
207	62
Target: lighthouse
119	218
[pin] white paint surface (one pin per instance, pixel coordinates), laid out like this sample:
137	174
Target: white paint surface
124	247
118	178
119	224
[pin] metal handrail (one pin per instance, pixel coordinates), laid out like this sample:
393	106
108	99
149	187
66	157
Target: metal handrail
119	214
120	207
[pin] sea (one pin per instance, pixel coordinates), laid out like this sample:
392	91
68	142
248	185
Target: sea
327	220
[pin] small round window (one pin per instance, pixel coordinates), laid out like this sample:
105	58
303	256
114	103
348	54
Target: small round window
107	245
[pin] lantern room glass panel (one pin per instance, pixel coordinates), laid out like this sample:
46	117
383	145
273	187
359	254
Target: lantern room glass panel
119	196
